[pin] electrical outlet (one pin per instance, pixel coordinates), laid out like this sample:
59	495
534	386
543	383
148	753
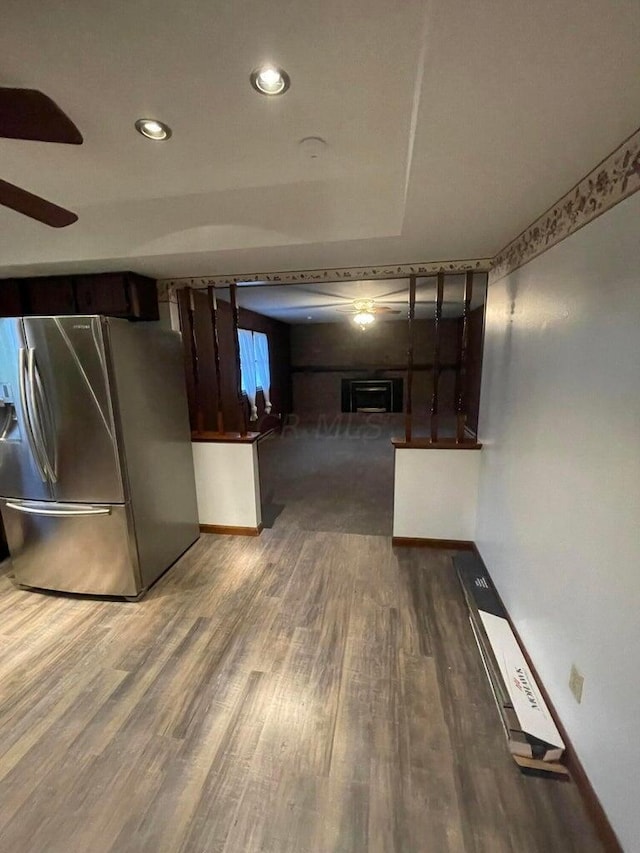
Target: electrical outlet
576	683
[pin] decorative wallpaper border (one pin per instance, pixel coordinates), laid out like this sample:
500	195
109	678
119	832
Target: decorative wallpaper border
167	286
610	182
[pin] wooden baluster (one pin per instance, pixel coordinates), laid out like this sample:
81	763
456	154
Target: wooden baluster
408	411
190	353
436	356
236	344
461	404
213	314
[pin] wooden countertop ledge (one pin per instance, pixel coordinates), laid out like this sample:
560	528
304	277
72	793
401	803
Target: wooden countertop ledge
226	437
441	444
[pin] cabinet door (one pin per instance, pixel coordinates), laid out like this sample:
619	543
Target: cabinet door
11	304
143	295
50	296
105	293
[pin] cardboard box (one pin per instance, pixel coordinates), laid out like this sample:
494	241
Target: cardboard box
532	736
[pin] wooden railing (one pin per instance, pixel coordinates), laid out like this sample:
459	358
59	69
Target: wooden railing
196	369
408	416
213	315
461	378
434	438
236	346
190	355
218	407
436	356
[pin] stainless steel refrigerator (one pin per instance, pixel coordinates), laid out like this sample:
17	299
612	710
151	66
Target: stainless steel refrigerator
97	488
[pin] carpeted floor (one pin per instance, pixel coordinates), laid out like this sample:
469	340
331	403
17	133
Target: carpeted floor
332	475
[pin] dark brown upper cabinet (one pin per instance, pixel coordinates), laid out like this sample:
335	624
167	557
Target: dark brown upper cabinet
106	293
119	294
143	297
11	298
50	295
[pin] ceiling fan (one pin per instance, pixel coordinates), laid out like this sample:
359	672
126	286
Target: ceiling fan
30	114
364	311
369	306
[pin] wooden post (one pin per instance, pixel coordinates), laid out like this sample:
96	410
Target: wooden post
461	403
213	309
236	344
436	356
190	353
408	411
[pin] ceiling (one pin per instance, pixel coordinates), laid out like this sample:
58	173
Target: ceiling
331	302
450	126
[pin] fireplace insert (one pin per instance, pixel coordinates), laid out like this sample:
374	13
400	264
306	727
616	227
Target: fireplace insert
372	395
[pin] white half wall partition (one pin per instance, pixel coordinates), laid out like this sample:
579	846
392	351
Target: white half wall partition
435	493
227	486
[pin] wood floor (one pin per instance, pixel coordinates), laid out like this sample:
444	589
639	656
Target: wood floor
302	692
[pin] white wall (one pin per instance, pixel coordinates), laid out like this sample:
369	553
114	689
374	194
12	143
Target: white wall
227	483
559	506
435	493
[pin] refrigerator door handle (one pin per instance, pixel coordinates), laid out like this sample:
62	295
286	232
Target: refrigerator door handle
44	418
58	510
27	416
35	414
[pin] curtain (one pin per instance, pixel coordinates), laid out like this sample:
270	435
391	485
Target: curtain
248	369
263	374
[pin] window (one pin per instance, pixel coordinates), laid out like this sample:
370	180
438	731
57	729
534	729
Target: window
254	368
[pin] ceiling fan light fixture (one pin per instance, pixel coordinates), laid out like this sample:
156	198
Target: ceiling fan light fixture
269	80
153	129
363	319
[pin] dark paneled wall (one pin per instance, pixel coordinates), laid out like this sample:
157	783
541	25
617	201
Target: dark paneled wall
309	361
322	354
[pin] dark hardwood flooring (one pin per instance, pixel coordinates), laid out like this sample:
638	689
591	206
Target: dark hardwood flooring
301	692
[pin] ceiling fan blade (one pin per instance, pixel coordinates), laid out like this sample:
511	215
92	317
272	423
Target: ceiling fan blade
34	206
404	290
29	114
323	305
312	290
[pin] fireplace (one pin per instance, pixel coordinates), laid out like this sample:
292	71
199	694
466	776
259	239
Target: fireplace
371	396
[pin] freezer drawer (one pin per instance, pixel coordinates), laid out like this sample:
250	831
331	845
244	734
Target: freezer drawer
82	548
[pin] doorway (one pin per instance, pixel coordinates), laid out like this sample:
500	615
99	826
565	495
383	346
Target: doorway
321	373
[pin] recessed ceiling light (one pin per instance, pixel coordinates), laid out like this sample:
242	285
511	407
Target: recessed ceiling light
153	129
269	80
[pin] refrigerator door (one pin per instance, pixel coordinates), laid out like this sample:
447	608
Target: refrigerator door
23	472
68	386
82	548
148	378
